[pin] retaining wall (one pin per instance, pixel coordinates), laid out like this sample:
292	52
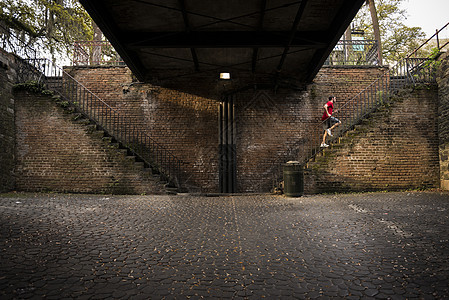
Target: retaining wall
56	151
396	148
7	127
272	127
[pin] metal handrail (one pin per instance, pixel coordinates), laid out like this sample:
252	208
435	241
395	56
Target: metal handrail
408	71
429	39
45	72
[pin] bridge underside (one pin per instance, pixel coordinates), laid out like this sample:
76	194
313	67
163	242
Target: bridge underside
259	38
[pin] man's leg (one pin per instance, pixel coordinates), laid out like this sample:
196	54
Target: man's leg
324	137
335	125
335	122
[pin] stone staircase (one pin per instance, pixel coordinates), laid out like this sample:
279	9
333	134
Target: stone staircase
352	113
392	148
118	128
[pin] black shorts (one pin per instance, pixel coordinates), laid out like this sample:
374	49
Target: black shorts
329	122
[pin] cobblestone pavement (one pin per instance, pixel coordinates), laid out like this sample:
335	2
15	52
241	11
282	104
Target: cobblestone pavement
376	245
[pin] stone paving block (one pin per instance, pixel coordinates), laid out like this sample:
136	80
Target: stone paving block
376	245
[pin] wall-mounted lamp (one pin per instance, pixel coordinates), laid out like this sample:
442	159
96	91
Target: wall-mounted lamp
225	76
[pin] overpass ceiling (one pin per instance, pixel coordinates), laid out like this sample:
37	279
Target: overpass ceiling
284	38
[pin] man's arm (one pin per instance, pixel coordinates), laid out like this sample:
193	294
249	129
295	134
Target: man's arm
327	112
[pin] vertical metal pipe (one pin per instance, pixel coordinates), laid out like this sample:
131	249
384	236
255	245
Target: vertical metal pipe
438	40
231	145
225	147
220	147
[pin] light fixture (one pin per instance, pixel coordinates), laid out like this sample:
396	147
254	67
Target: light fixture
225	76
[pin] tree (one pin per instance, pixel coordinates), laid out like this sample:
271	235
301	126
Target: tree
397	39
52	25
376	29
98	35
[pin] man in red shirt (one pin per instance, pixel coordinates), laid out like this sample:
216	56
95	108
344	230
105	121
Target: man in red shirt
329	122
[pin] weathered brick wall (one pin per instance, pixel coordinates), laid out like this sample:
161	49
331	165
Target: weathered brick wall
182	114
344	82
443	113
396	148
187	125
54	153
272	127
7	130
184	123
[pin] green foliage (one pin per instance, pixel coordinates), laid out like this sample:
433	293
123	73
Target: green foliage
433	63
52	25
380	95
397	39
34	87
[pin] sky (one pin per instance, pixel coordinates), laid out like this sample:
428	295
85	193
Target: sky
430	15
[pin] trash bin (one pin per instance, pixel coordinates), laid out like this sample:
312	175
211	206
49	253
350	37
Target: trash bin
293	179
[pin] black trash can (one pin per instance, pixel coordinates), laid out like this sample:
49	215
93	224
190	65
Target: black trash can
293	179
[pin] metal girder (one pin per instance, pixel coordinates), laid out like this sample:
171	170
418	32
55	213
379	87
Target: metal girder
188	29
263	7
216	19
289	36
227	39
292	34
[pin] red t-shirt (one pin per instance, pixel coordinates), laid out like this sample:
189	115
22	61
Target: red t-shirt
330	108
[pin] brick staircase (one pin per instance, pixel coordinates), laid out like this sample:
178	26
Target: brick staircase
406	73
392	148
109	123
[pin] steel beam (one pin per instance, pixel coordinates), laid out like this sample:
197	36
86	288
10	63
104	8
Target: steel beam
225	39
292	34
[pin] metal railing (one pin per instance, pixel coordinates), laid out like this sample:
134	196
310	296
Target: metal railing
354	52
95	53
109	119
436	37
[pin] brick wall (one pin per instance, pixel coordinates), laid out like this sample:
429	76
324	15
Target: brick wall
6	122
272	127
182	114
185	123
443	113
396	148
344	82
55	153
277	127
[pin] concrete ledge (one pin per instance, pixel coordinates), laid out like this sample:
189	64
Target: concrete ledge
444	185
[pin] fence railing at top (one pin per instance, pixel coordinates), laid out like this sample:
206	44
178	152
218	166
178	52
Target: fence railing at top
45	72
95	53
354	52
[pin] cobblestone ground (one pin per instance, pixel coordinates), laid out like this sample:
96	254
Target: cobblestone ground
377	245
